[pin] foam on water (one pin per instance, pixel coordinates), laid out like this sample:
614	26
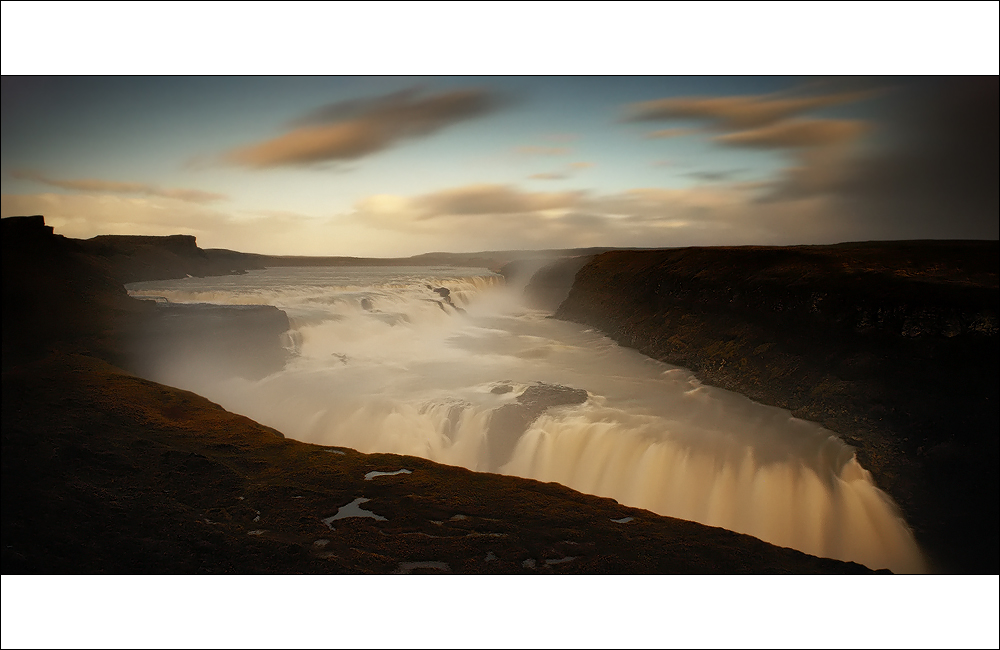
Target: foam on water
386	362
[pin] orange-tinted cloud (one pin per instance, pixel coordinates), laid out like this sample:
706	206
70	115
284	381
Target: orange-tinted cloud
118	187
738	112
570	170
796	133
490	199
353	129
486	217
934	175
670	133
535	150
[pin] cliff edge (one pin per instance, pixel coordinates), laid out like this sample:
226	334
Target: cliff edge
893	345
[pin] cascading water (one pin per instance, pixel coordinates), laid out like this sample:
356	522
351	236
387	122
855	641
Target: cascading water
416	361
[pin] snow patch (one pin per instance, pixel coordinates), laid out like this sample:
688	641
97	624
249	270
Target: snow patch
370	475
352	509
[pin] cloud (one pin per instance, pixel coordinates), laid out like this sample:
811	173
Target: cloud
357	128
931	174
817	146
87	215
797	133
737	112
535	150
669	133
571	170
273	232
495	217
934	175
490	199
117	187
715	176
562	137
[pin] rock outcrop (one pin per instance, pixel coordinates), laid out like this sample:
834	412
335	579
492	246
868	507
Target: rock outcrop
66	295
509	422
139	258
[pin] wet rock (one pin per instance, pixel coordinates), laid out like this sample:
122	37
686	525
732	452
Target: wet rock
509	422
445	294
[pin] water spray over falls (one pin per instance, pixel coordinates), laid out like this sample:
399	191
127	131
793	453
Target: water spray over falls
449	365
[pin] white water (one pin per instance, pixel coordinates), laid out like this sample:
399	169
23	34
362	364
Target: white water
383	364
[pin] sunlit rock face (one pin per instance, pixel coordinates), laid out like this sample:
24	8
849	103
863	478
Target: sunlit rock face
381	362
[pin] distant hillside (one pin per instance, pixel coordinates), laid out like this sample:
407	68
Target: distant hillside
492	260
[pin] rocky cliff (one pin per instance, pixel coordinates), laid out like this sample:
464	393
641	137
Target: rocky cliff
892	345
138	258
66	295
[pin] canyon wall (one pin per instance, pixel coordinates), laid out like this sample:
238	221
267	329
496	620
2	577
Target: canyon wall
893	345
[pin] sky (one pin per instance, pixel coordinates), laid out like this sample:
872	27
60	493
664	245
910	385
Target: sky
378	165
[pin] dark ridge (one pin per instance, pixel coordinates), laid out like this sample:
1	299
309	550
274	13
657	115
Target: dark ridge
136	258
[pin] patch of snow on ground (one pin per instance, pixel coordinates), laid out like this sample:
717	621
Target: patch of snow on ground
370	475
352	509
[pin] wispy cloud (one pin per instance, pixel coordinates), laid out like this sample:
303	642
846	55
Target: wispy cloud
490	199
737	112
537	150
669	133
571	170
820	149
797	133
934	177
357	128
715	176
760	121
561	137
495	217
118	187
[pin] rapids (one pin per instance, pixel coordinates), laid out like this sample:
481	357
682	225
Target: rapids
414	360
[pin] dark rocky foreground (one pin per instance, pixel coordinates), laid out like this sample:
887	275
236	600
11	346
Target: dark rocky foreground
893	345
106	472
